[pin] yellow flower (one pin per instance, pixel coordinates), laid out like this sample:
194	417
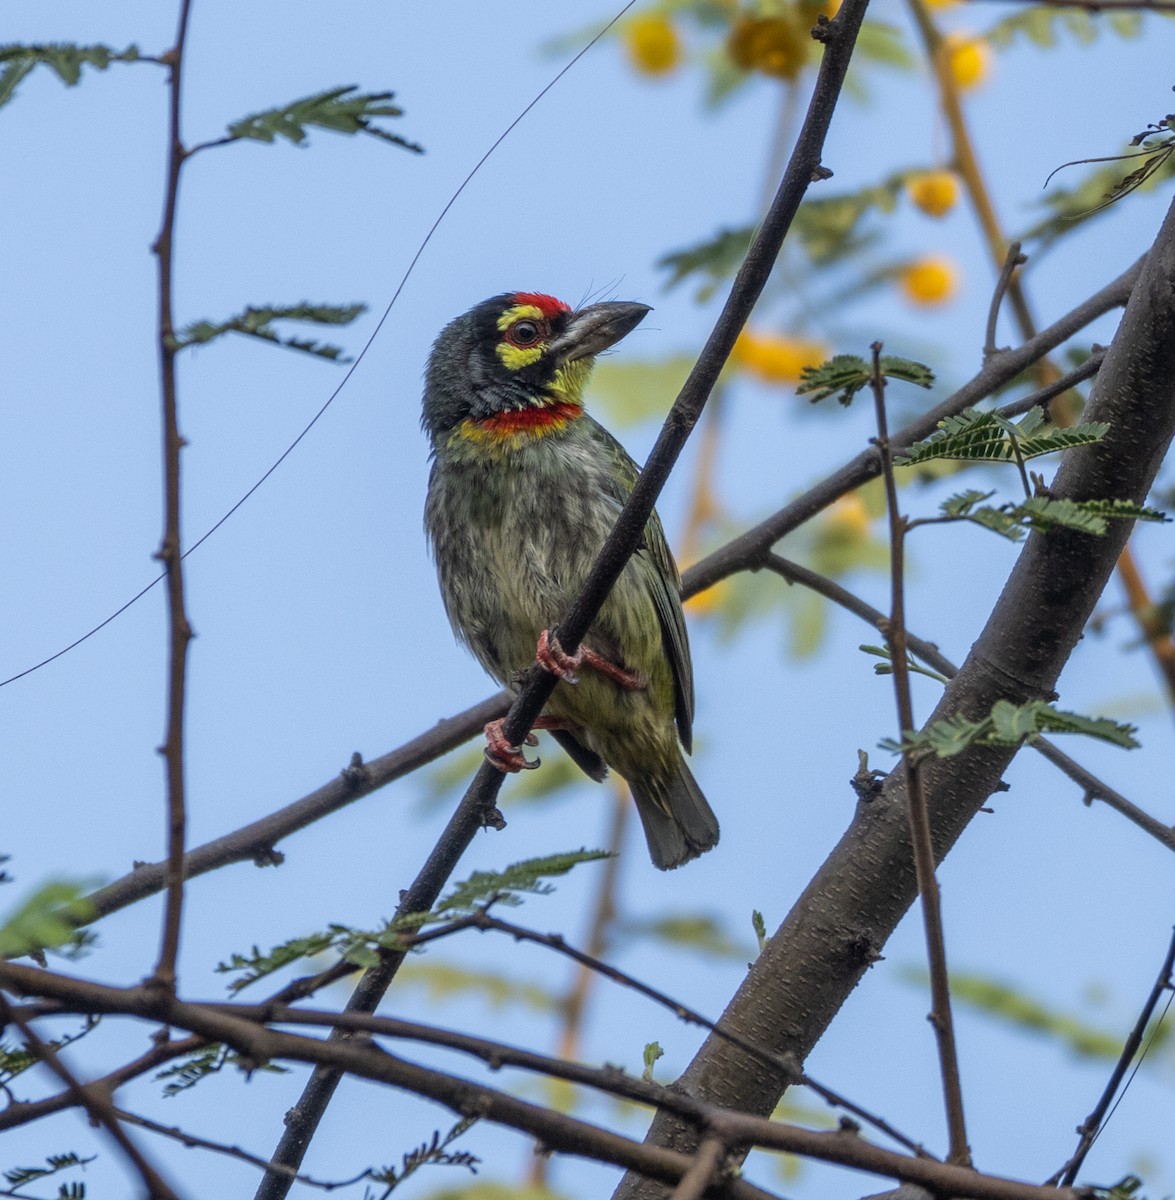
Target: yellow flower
705	604
848	518
929	281
652	44
968	59
773	45
934	192
775	358
940	4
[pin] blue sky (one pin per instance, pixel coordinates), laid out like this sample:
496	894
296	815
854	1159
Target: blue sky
320	630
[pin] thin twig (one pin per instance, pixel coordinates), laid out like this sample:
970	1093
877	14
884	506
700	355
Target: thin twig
1160	643
1092	787
573	1006
243	1028
1011	262
96	1103
195	1142
478	806
22	1112
920	832
170	553
1092	1125
706	1165
483	920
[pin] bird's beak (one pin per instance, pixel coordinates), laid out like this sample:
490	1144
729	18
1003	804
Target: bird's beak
595	328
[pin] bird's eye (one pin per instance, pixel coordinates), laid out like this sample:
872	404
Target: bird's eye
524	333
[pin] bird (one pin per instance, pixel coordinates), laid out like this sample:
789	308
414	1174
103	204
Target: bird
524	488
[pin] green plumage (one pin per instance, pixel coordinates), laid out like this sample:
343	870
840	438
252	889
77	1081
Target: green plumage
516	522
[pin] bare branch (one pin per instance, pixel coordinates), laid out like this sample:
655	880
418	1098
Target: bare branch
920	835
242	1026
1014	259
22	1112
170	553
706	1166
1092	1125
96	1103
482	920
866	885
1092	787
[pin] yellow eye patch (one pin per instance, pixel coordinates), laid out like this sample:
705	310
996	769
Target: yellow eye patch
517	357
519	312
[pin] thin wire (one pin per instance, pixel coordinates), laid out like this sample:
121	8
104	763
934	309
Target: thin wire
1137	1063
355	362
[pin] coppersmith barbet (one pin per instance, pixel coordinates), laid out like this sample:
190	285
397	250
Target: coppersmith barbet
524	489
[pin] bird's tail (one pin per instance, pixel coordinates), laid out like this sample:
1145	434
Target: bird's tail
679	824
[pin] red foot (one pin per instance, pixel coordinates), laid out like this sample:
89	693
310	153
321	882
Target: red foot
511	759
552	657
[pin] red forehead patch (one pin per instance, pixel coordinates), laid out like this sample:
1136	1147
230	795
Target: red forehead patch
547	305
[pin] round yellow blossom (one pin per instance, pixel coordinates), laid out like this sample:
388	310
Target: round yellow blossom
652	44
934	192
968	58
941	4
929	281
848	518
776	358
772	45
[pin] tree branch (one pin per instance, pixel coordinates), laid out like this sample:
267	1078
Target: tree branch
96	1103
477	807
243	1027
919	817
843	918
170	553
1092	1125
1093	787
255	841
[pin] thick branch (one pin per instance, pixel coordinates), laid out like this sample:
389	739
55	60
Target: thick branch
847	912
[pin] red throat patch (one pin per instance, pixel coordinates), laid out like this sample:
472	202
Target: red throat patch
530	420
547	305
520	425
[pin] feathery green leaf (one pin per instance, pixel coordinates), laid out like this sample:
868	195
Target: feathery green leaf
1009	724
257	322
527	876
64	59
885	666
48	920
342	109
846	374
715	260
974	436
21	1176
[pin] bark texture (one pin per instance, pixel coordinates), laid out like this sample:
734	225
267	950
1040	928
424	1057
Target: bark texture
846	914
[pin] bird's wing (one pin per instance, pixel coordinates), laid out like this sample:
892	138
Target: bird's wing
657	565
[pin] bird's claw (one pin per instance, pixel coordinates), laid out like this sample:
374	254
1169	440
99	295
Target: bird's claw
507	758
552	657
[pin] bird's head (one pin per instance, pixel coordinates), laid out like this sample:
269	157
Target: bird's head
518	359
